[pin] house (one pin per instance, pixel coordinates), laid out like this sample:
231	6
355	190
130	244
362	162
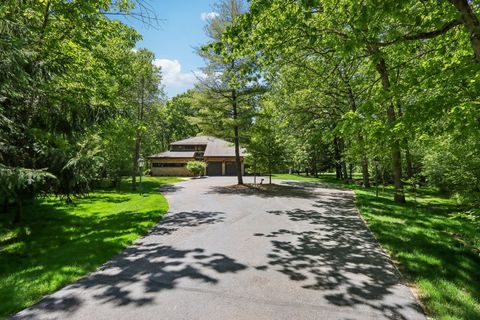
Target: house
217	153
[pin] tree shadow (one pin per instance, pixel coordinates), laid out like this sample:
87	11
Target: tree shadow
170	188
151	267
265	191
172	222
340	258
429	245
312	185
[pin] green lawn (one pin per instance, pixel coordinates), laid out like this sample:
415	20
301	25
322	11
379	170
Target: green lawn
437	253
58	244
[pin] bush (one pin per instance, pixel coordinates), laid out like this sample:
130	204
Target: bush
453	166
196	167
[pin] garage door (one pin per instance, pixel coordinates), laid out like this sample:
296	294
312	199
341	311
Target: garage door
214	169
230	168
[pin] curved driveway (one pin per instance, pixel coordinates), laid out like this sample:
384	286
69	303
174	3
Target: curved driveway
298	252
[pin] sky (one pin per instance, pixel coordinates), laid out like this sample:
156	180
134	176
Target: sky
173	42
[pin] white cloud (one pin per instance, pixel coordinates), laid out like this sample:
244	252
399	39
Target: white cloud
172	75
205	16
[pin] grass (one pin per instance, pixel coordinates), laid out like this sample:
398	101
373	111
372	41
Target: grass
58	243
437	252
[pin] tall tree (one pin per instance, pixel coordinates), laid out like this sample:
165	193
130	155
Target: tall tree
229	87
145	93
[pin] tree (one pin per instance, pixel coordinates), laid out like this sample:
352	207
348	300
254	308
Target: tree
226	95
266	150
388	43
176	120
144	92
22	183
63	80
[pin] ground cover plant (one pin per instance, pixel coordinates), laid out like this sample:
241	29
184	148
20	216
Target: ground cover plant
59	243
436	250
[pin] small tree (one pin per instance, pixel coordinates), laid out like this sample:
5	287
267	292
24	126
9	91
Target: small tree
267	151
196	167
20	183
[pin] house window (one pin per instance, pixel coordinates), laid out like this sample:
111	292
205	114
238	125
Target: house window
199	155
167	165
183	148
188	148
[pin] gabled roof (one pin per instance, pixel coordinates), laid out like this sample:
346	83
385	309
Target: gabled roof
173	154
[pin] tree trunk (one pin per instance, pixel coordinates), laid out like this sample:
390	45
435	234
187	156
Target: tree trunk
138	136
5	204
344	170
408	158
471	23
350	171
396	155
365	174
338	166
18	210
314	165
236	138
136	154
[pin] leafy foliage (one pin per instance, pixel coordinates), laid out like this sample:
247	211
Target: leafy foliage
69	76
266	149
196	167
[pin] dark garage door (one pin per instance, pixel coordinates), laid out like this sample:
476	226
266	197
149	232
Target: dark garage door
230	168
214	169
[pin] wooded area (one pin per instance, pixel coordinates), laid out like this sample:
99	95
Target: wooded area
376	93
389	89
386	88
78	101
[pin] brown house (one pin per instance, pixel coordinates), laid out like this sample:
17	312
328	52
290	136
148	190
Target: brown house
217	153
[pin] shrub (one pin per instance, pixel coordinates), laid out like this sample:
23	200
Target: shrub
196	167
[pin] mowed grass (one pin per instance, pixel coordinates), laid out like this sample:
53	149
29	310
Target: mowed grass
58	243
437	252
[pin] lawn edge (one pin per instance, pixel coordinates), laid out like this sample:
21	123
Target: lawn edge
411	285
141	236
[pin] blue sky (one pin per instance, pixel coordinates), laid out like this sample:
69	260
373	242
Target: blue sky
174	41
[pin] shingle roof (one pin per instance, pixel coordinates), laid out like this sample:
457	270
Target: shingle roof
173	154
198	140
221	148
215	148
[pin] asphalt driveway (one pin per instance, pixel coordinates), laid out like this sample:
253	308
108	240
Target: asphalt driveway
298	252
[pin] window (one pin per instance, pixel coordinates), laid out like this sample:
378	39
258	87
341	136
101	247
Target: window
189	148
198	155
168	165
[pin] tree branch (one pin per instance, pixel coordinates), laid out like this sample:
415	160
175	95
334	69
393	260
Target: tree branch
423	35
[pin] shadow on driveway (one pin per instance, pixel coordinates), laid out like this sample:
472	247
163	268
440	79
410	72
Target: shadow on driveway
139	271
133	277
191	219
265	191
340	258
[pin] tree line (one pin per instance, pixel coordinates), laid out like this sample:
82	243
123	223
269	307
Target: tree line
78	101
386	88
389	89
